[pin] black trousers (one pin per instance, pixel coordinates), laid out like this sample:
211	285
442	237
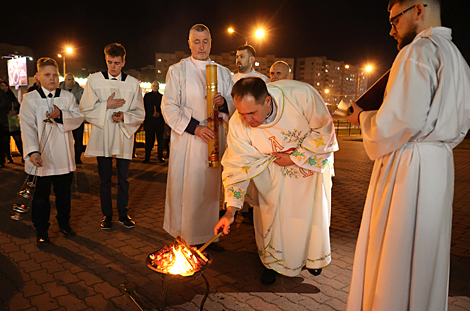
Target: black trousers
2	145
41	208
105	170
150	134
78	138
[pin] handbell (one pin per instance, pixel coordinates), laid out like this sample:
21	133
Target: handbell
19	209
31	184
25	193
343	109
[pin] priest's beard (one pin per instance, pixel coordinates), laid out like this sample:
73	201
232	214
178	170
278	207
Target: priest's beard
407	38
243	69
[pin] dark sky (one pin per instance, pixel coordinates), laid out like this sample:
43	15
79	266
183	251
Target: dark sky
352	31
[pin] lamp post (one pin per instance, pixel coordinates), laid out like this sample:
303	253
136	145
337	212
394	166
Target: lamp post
259	34
68	50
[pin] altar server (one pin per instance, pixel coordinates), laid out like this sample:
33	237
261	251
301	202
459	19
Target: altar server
112	102
403	249
48	147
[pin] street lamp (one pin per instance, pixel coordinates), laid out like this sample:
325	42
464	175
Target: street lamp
68	50
259	34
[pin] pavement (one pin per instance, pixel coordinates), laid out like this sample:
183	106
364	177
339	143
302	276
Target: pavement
91	270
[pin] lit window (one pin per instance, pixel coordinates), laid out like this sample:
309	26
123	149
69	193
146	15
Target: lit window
326	70
318	83
159	71
256	64
159	59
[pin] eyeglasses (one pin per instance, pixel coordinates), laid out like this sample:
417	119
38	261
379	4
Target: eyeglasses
393	20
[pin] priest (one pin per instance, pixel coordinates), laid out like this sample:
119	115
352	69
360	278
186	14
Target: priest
193	188
282	137
403	249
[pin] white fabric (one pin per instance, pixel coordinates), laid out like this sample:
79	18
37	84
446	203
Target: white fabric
58	153
292	219
252	73
403	250
107	138
193	188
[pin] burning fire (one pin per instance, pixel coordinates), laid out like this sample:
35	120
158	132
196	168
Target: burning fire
177	260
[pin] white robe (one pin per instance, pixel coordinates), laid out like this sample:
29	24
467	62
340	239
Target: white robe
193	188
292	219
58	152
107	138
403	249
252	73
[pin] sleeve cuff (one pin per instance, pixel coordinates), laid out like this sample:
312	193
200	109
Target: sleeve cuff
191	128
224	107
59	119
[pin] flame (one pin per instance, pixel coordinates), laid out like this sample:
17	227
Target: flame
180	264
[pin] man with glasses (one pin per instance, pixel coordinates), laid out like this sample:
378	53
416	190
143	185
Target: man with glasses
403	250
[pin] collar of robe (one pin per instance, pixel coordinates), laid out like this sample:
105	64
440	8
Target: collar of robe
41	93
106	75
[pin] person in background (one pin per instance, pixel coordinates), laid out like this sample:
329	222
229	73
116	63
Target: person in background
13	122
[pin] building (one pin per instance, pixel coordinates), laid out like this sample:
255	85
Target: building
334	80
262	64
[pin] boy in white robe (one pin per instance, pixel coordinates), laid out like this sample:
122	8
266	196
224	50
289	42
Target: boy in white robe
48	147
112	102
282	138
403	250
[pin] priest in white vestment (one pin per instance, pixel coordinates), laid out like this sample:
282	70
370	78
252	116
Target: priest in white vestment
403	249
112	102
245	59
48	147
282	138
193	189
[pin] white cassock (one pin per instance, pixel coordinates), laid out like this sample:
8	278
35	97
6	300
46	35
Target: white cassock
57	153
292	219
108	138
403	249
193	188
252	73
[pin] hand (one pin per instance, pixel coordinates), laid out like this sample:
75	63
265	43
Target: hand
118	117
54	114
35	158
204	133
12	112
115	103
226	220
218	100
283	159
353	118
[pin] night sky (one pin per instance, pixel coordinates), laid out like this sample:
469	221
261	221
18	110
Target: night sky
352	31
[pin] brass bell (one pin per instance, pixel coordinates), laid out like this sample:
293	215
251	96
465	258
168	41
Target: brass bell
25	193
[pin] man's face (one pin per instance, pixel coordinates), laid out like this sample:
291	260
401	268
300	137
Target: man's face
48	77
155	87
405	29
115	64
69	81
252	112
244	61
200	44
278	72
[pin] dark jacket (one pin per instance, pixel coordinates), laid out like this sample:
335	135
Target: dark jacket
152	103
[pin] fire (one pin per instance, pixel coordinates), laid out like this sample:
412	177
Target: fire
176	260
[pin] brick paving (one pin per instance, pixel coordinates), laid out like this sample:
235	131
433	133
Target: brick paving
86	272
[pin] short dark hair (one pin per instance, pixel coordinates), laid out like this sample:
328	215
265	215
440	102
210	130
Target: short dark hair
46	61
114	50
391	3
200	28
4	82
251	50
253	86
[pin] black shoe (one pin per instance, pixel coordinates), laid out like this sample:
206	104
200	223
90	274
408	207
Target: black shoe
146	161
42	239
268	276
10	160
161	160
127	222
315	272
106	223
67	231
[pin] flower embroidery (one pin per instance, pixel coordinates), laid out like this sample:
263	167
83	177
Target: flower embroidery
298	155
288	172
319	142
238	194
311	161
292	136
245	169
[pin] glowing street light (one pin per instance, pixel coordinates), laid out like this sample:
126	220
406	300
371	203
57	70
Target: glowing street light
369	68
259	34
327	91
68	50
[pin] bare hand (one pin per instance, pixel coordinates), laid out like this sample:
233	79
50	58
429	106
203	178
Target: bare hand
54	114
204	133
118	117
115	103
226	220
353	118
35	158
218	100
283	159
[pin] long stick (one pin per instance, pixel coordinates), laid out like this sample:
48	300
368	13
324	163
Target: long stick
210	242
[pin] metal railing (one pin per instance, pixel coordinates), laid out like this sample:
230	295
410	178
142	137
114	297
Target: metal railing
345	128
